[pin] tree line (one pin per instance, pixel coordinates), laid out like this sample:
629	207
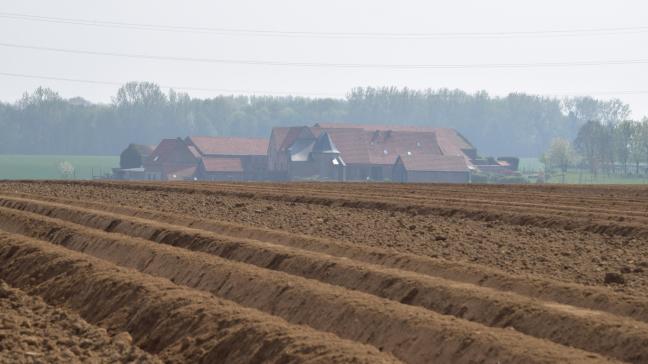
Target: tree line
613	149
42	122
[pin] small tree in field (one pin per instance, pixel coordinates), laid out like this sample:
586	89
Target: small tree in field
560	156
67	170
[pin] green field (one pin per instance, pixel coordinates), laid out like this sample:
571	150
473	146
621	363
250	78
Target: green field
47	166
582	177
530	166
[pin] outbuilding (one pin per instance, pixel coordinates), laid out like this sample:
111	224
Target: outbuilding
431	169
134	156
221	169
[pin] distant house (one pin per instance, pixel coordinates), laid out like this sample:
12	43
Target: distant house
431	168
131	162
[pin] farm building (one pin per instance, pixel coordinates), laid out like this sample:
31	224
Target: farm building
310	157
172	159
361	152
131	161
207	158
135	155
230	158
425	168
326	152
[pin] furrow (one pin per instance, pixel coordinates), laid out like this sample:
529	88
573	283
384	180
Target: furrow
340	198
585	329
97	215
178	324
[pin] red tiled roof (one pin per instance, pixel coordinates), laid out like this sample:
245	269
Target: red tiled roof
385	147
359	146
170	151
216	164
229	145
374	127
434	163
352	144
379	144
278	135
451	142
295	133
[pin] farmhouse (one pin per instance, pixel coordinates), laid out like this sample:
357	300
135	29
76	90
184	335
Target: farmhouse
208	158
323	152
368	152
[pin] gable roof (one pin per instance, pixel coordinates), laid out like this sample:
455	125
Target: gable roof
433	163
220	164
229	145
171	151
452	142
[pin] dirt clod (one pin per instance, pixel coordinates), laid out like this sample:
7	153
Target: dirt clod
613	278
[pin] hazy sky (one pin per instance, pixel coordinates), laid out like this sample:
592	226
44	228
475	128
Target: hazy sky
331	16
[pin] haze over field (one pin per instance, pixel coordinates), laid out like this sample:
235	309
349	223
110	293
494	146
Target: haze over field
516	36
357	181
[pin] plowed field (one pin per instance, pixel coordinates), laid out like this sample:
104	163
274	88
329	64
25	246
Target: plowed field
208	272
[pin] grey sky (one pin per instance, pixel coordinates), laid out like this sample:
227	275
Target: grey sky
359	16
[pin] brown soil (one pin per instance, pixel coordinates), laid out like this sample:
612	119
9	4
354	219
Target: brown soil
568	246
521	269
33	331
177	324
